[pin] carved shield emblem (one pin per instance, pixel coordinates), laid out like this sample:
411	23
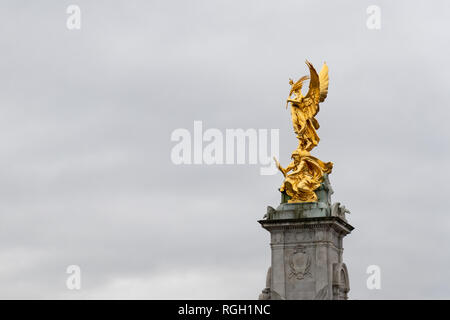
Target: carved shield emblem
299	263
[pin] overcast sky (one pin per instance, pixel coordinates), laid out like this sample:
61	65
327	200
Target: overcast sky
86	117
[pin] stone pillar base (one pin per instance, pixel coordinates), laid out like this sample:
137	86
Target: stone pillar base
306	244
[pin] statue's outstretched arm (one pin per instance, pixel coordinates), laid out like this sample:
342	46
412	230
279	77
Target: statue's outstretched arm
283	170
279	166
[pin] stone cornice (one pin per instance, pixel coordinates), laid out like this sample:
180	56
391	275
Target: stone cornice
336	223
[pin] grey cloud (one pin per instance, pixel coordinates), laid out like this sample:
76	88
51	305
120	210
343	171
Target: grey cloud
86	118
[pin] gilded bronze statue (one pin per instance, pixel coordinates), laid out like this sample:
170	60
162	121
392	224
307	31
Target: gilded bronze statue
305	173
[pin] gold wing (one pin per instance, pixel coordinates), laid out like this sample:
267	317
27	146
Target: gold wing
323	80
318	90
310	103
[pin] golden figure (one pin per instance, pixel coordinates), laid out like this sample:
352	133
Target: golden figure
306	176
307	171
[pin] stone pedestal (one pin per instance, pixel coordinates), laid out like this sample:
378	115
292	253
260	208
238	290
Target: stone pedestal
306	244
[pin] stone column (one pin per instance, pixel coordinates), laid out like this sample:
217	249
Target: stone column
306	244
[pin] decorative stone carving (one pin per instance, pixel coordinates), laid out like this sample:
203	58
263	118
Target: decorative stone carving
299	263
341	284
339	211
270	211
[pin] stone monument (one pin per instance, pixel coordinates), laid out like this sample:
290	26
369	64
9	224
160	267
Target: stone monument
306	229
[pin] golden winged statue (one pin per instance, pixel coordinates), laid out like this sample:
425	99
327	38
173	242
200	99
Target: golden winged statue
305	173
